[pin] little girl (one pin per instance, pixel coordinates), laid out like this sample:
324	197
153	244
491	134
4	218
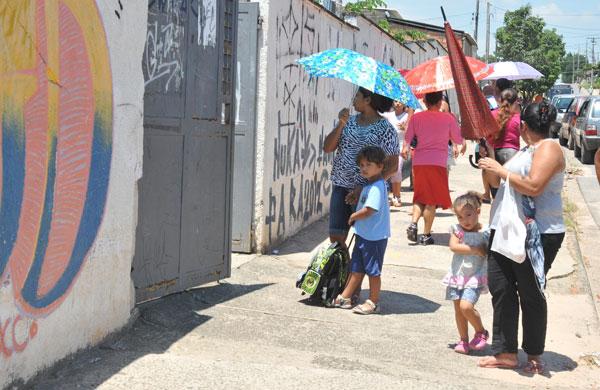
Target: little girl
467	277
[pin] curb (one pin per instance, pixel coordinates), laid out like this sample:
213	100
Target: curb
589	192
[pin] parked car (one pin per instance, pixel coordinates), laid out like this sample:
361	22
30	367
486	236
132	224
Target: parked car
568	122
585	133
561	102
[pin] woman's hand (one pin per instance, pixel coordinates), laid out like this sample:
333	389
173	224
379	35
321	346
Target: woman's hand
343	116
352	197
454	151
404	152
491	165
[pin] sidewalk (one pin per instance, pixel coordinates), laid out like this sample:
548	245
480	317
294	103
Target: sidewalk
255	330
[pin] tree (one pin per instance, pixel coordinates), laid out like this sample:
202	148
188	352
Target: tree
573	67
524	38
357	7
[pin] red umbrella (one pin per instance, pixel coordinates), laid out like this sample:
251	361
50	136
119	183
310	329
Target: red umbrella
476	119
403	72
436	74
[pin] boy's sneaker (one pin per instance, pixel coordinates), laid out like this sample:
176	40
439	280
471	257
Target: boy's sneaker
342	303
369	307
411	232
462	347
479	342
426	239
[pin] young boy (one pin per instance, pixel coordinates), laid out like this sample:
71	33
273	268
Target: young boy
372	225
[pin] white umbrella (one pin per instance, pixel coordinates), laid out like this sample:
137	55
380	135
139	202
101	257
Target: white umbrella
514	71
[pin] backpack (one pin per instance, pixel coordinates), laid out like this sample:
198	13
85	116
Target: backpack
326	275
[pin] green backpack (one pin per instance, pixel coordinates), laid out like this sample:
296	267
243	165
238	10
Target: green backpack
327	274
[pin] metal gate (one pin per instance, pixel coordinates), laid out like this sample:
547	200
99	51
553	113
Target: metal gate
245	128
183	233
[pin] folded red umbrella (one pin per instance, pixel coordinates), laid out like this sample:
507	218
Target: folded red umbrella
436	74
476	119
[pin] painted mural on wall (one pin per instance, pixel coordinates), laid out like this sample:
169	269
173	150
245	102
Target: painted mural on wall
55	153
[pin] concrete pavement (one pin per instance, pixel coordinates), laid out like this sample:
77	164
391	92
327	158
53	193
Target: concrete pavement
255	330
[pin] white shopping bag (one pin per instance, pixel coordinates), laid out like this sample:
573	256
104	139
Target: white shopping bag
511	233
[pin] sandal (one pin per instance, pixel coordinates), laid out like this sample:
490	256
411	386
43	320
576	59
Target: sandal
342	303
395	201
369	307
534	367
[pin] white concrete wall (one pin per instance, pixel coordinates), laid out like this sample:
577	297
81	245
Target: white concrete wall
98	299
295	113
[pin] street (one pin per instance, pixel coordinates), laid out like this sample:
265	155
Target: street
253	330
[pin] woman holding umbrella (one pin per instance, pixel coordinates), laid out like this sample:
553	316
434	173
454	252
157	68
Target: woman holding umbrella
432	130
351	134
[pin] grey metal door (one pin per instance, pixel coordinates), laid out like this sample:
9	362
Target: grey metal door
245	128
183	233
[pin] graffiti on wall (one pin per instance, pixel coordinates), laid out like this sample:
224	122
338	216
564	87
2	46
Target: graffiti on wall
163	63
55	154
300	171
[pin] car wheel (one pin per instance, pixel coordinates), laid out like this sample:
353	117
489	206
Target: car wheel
587	156
577	150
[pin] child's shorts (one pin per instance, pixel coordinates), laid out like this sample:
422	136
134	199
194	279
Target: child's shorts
367	256
469	294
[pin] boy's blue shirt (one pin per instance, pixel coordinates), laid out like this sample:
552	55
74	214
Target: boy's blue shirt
377	226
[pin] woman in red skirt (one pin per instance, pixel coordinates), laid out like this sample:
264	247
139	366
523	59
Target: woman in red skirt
432	130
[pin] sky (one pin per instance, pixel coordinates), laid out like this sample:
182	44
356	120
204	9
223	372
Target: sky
576	21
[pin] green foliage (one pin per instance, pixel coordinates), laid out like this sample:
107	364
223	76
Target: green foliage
409	35
384	24
524	38
416	35
400	36
357	7
573	67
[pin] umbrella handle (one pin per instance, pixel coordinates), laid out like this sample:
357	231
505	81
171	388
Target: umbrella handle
443	14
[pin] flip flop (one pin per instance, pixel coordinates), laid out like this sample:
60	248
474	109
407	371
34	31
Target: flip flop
534	367
499	363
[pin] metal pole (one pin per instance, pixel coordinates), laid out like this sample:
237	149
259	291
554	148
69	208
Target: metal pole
593	61
578	56
476	18
573	69
487	34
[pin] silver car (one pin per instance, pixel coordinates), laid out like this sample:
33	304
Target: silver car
562	103
586	134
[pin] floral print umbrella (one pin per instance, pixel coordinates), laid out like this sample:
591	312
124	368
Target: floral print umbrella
360	70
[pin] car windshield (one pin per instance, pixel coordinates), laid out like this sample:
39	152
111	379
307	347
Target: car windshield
563	103
596	109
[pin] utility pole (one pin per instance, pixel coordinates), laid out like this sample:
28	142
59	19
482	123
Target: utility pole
573	69
578	56
487	33
593	63
476	18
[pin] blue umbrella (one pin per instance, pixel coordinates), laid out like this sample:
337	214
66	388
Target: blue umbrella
360	70
533	243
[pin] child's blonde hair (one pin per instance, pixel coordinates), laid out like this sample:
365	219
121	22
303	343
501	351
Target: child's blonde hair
471	199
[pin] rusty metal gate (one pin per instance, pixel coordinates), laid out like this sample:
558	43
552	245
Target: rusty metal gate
183	234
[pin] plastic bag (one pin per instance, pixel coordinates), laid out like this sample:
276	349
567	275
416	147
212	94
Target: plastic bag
511	233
